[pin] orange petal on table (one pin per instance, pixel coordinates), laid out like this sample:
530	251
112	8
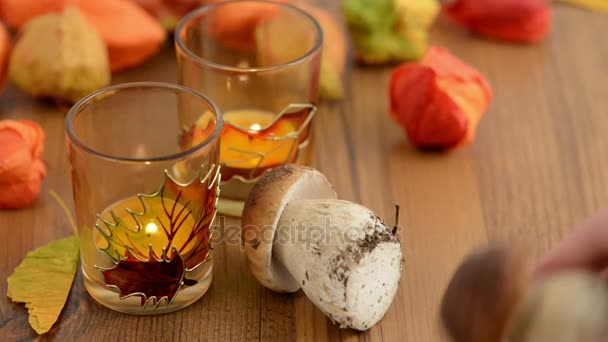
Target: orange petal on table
438	101
21	165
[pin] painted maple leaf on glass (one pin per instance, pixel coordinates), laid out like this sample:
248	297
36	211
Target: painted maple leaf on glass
156	240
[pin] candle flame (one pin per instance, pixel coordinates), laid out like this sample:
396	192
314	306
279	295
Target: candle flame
151	228
255	128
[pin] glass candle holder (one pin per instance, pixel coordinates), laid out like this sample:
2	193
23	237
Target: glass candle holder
260	61
145	195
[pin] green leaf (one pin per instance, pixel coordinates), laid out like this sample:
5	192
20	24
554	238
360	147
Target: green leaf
43	281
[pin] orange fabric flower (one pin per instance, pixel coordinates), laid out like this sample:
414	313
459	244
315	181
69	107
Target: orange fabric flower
21	165
438	101
524	21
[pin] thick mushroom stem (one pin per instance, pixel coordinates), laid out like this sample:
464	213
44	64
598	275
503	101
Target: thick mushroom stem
343	256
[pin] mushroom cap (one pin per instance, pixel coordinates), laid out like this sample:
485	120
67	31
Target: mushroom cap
484	294
261	214
568	306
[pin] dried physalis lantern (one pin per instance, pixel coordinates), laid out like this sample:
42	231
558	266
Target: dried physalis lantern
130	34
5	48
493	297
523	21
234	26
438	101
169	12
385	31
280	41
21	165
298	235
61	56
335	48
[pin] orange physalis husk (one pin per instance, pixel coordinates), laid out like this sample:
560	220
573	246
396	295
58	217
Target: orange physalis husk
280	41
129	32
520	21
439	101
59	56
21	165
5	49
234	25
169	12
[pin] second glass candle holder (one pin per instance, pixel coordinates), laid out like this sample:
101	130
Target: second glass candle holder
260	61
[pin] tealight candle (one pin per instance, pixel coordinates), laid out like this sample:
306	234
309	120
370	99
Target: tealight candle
137	235
255	140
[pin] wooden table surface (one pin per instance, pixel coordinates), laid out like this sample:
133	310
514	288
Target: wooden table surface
539	166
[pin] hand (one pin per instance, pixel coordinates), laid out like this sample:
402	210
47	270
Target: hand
586	248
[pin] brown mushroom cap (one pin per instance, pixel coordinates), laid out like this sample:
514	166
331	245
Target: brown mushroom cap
261	214
481	300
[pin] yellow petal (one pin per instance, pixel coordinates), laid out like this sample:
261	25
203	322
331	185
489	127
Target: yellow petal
43	281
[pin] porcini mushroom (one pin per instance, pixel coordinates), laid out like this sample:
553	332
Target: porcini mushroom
570	306
483	295
297	234
493	297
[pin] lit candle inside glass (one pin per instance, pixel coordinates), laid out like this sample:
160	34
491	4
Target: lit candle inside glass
151	222
151	228
262	145
254	140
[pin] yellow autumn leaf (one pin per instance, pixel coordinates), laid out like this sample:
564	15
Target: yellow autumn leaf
43	281
598	5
